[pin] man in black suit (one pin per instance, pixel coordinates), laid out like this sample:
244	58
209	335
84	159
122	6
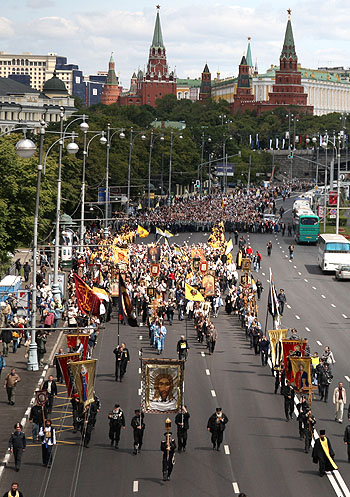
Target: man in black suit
51	388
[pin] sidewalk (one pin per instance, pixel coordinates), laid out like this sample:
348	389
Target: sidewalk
24	390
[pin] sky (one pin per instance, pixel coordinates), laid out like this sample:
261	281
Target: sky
194	33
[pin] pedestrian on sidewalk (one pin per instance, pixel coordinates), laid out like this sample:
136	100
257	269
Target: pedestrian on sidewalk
41	340
17	445
48	441
339	400
13	492
291	252
269	248
10	384
2	362
6	337
26	271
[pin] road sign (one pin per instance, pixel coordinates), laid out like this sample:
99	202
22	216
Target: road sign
332	198
321	211
332	213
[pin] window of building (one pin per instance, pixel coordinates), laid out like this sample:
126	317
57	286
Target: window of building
94	91
77	80
13	62
35	63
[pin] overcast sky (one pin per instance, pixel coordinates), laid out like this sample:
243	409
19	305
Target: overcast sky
196	32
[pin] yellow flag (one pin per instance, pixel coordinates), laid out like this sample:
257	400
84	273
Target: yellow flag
167	234
229	246
193	294
142	232
120	255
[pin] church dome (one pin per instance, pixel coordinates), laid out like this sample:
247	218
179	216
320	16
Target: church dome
55	86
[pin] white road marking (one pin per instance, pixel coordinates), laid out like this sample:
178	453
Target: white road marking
307	329
347	378
290	261
298	317
263	274
289	307
306	281
139	370
207	372
213	393
294	267
203	354
334	484
282	251
341	482
323	296
227	450
314	288
135	486
299	273
286	255
333	305
268	281
140	337
319	343
345	316
235	487
139	391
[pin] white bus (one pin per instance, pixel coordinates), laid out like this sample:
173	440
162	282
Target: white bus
333	250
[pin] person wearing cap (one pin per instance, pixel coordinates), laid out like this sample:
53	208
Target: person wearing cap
17	444
168	447
323	454
216	425
138	427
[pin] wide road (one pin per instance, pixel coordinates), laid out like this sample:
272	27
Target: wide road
262	455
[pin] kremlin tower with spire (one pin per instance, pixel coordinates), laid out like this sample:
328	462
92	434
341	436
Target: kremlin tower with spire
157	80
111	89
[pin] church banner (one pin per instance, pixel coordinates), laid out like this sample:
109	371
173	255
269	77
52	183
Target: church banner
75	340
276	337
301	369
83	376
87	301
162	385
294	348
63	360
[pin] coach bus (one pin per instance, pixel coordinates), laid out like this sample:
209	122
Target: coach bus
306	226
333	251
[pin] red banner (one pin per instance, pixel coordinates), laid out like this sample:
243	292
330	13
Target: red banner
63	360
292	348
87	301
74	341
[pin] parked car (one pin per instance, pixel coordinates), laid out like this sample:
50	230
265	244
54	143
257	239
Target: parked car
342	272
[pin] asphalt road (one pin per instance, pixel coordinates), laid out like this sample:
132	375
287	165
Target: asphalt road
262	454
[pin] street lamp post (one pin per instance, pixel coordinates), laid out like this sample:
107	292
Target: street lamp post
103	141
224	158
171	163
200	169
131	144
151	143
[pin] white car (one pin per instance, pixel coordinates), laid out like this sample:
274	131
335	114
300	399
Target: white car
342	272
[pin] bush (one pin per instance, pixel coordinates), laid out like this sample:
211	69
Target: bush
343	221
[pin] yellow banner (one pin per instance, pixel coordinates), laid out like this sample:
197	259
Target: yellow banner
120	255
142	232
83	376
193	294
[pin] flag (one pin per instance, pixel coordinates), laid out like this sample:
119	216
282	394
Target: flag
251	142
257	142
63	360
177	251
120	255
229	246
157	205
193	294
101	293
272	302
159	232
87	301
126	308
283	143
139	207
276	337
83	376
142	232
74	341
167	234
271	147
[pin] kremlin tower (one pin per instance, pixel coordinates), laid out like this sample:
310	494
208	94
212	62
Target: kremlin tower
111	89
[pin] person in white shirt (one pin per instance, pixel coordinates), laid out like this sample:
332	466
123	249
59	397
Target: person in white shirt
48	441
339	400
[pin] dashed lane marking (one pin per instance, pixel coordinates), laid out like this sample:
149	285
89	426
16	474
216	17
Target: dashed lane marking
345	316
227	450
213	393
299	273
298	317
140	337
288	306
333	305
135	486
294	267
323	296
139	391
319	343
307	329
203	354
286	255
139	370
306	281
314	288
347	378
207	372
235	487
263	274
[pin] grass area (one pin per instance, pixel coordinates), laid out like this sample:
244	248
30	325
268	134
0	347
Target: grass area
343	230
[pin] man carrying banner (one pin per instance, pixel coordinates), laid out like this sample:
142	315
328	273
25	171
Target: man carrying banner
122	358
168	447
182	422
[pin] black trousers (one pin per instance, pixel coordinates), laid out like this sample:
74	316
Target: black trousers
50	398
324	392
216	438
348	448
46	454
288	408
17	453
167	465
114	433
181	438
138	438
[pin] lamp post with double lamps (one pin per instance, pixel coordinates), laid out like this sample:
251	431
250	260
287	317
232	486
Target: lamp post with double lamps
151	143
103	141
224	158
200	169
172	137
133	136
108	144
337	150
